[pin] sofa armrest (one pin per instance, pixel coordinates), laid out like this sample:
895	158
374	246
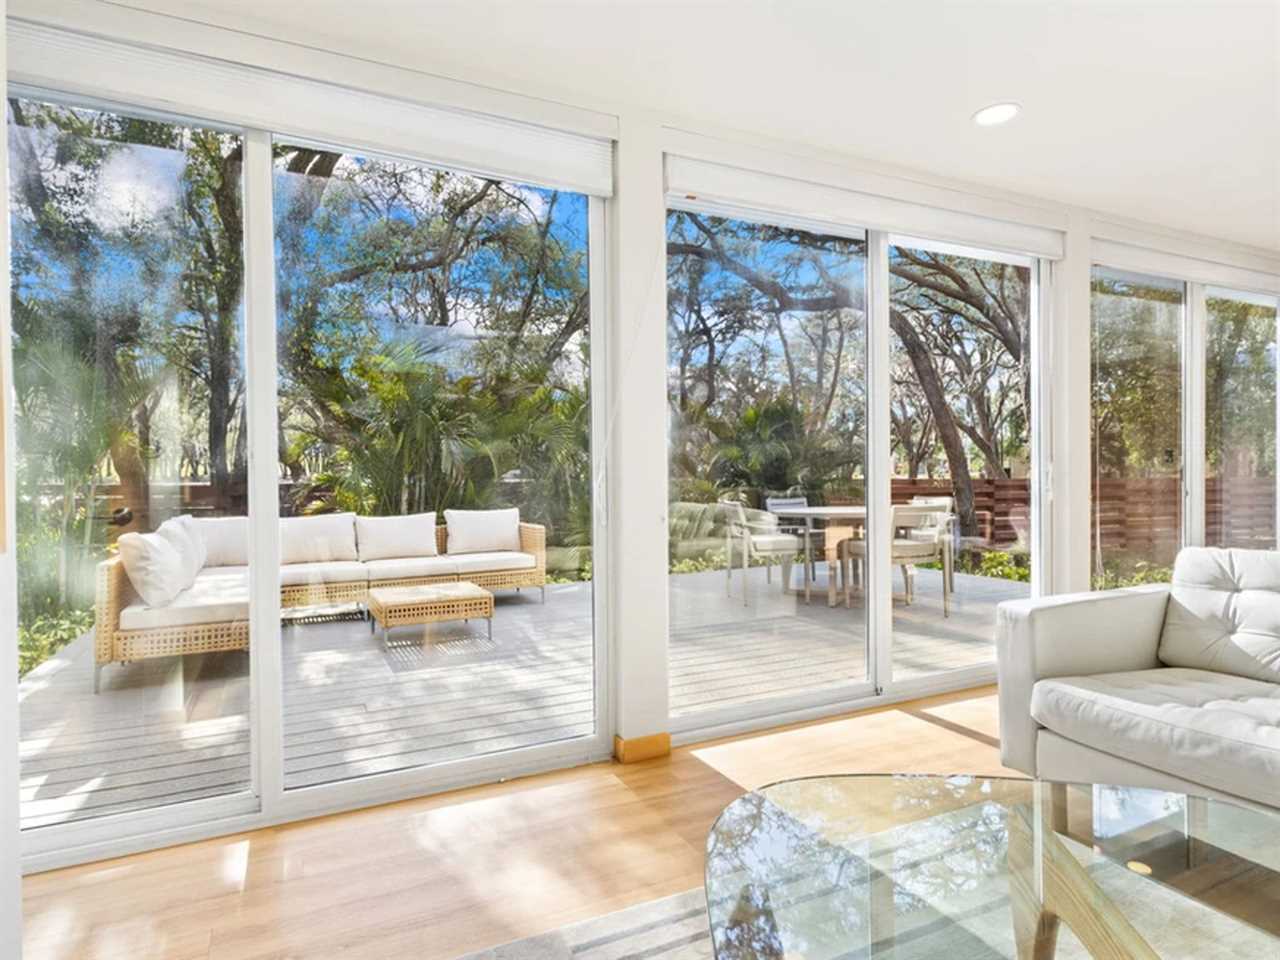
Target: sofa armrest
1075	634
533	539
113	593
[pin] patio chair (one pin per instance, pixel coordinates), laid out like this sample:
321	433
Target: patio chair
755	533
946	508
920	535
797	528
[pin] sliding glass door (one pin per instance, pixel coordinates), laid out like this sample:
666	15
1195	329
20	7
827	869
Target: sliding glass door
961	389
1138	324
1240	420
434	351
766	393
132	523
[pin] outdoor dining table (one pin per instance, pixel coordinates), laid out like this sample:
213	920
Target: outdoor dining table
856	514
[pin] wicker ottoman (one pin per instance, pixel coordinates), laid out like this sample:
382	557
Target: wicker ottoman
433	603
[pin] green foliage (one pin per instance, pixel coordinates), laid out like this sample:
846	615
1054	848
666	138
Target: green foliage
42	636
1135	574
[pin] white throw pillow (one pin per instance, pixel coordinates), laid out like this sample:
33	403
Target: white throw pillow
154	567
390	538
226	540
188	523
318	539
180	538
482	531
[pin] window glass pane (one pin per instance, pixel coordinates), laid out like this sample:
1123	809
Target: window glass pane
433	364
960	407
1137	427
1240	421
130	387
766	346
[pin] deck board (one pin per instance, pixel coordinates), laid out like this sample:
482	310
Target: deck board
172	730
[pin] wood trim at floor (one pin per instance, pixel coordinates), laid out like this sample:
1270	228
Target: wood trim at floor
636	749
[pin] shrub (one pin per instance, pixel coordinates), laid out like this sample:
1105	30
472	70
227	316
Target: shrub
48	633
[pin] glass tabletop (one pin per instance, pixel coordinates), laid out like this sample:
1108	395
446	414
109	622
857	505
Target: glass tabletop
969	867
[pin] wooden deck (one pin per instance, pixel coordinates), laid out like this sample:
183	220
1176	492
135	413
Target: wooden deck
165	731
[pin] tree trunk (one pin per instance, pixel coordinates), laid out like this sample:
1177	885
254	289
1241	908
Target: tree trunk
943	420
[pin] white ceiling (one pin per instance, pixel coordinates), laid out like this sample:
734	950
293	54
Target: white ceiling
1168	112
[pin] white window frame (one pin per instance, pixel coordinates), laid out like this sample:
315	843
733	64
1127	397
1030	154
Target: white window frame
267	802
741	194
1199	275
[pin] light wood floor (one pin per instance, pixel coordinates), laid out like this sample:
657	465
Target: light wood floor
443	875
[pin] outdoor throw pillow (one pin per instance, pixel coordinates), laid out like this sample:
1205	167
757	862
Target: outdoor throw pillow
154	567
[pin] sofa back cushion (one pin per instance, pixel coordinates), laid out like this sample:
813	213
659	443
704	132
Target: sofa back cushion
154	566
226	540
391	538
483	531
318	539
184	540
1224	613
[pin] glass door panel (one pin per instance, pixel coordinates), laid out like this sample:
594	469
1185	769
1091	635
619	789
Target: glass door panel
435	465
960	416
766	346
132	527
1137	427
1240	420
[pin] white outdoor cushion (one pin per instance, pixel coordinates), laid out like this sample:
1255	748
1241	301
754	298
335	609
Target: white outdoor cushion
483	531
1224	613
197	539
382	538
318	539
405	567
776	543
1212	728
333	571
154	566
219	595
181	538
495	560
226	540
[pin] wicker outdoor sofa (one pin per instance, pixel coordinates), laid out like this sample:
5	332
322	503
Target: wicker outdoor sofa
319	567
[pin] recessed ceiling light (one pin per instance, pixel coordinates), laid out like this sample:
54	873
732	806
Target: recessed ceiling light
996	114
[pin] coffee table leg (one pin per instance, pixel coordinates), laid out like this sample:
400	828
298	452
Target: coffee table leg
489	621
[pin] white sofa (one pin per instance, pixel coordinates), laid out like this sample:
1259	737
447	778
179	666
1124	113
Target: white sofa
152	602
1171	687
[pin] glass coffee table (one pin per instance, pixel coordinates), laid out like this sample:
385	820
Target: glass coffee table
961	868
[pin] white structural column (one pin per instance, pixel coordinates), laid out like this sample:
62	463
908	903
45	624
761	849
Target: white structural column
1194	370
637	441
1070	328
10	841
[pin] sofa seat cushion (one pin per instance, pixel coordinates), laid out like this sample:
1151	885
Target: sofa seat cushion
1212	728
335	571
1224	613
219	595
403	568
493	561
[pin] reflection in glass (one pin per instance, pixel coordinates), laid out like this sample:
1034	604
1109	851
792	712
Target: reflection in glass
766	391
912	866
1137	427
960	413
435	464
132	549
1240	421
